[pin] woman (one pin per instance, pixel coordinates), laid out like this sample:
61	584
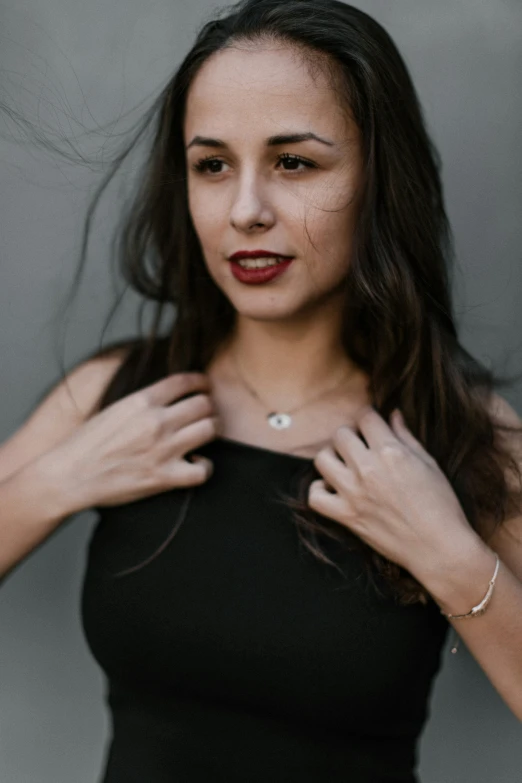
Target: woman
293	210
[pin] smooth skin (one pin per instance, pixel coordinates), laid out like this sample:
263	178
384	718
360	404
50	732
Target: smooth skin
295	198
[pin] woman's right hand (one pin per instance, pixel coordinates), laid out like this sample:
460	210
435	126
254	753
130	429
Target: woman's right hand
138	445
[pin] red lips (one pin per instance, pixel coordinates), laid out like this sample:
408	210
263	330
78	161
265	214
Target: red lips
261	275
256	254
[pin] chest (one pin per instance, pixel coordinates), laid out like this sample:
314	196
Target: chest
245	419
233	609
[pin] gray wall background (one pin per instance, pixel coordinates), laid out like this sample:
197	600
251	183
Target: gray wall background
75	66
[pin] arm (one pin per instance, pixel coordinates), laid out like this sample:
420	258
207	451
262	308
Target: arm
32	506
391	493
495	638
32	499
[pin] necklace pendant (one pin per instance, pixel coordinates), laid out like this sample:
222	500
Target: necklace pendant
279	421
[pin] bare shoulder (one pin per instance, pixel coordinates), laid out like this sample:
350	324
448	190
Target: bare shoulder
81	388
503	412
62	408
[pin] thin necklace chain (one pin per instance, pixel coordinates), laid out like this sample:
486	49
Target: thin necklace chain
292	410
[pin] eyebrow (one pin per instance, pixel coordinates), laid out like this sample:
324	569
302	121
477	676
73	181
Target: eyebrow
272	141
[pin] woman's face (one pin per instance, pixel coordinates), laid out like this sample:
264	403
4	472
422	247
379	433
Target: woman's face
290	197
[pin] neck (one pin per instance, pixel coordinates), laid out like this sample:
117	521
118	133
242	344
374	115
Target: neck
287	363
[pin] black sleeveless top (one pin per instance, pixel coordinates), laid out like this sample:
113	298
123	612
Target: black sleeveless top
235	656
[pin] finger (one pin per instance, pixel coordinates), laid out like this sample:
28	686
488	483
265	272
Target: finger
194	435
375	429
333	469
202	462
326	503
184	412
166	390
405	434
350	447
194	472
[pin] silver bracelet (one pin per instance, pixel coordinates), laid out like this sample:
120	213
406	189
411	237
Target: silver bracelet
481	607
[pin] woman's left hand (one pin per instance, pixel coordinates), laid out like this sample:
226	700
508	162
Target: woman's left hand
391	493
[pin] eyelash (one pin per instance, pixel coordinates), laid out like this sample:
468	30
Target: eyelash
201	166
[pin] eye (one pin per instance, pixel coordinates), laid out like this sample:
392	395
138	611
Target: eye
295	159
211	164
207	164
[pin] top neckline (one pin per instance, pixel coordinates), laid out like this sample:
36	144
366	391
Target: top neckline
262	450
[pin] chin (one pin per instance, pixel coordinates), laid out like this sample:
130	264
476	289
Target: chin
268	312
268	303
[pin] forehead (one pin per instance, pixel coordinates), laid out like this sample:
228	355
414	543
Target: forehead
263	90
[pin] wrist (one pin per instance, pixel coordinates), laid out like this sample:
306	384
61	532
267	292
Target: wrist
56	494
462	579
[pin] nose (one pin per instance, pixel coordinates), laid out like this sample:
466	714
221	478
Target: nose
251	209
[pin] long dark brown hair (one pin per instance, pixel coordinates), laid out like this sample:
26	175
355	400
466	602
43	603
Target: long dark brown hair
399	326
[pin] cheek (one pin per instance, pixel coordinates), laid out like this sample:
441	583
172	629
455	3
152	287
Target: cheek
330	211
329	255
205	214
330	234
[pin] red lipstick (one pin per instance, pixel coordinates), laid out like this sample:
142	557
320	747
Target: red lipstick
256	276
256	254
